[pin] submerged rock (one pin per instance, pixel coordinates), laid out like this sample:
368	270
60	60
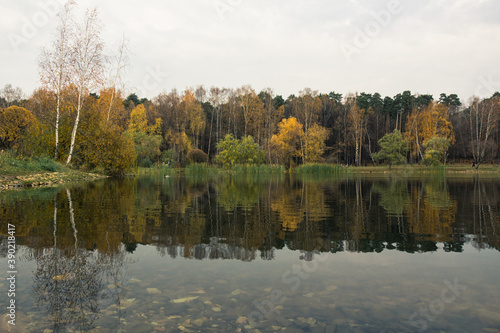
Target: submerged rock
200	291
200	321
153	291
185	299
236	292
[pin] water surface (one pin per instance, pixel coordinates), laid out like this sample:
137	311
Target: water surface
155	254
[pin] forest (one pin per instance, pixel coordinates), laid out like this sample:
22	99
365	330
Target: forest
80	115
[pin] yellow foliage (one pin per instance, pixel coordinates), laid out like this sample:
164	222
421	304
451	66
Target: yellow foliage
110	149
138	120
180	142
316	137
423	125
39	140
253	113
434	215
192	111
156	128
287	144
14	124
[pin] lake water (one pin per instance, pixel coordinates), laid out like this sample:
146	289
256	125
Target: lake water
269	254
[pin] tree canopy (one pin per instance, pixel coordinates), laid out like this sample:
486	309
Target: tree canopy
393	148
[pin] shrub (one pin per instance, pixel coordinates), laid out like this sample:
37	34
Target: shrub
197	156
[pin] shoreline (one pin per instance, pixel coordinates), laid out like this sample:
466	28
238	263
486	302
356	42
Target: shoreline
47	178
451	169
44	179
490	170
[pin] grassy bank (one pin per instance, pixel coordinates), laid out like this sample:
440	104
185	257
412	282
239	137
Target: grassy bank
322	169
212	170
31	172
18	172
416	170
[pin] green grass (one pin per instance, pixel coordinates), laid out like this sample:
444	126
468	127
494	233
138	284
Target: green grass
200	169
261	169
36	171
320	169
10	164
157	170
423	169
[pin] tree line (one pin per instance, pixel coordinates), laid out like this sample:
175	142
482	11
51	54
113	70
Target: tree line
80	116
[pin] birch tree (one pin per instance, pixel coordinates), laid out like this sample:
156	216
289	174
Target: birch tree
87	64
217	98
356	116
53	63
482	121
307	112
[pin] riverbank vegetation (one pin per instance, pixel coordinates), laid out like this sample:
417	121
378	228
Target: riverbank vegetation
79	118
18	171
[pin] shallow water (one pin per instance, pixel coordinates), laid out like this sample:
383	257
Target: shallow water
154	254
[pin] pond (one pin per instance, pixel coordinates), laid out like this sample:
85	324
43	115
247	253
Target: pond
253	254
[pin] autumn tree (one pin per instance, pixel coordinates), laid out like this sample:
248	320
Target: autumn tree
86	66
54	64
249	151
232	115
436	150
180	144
307	110
228	150
273	113
217	97
193	115
183	121
147	138
483	119
138	121
425	124
101	144
288	143
15	123
168	110
357	128
316	138
233	151
253	112
435	123
110	148
111	106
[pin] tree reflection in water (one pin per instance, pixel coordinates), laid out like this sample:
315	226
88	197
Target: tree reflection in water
69	281
80	236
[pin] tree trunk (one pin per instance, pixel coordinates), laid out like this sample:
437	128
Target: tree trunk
75	128
58	112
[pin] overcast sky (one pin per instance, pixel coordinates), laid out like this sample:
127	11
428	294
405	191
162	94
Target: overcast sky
385	46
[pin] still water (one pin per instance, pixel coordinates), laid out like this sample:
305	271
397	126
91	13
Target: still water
269	254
